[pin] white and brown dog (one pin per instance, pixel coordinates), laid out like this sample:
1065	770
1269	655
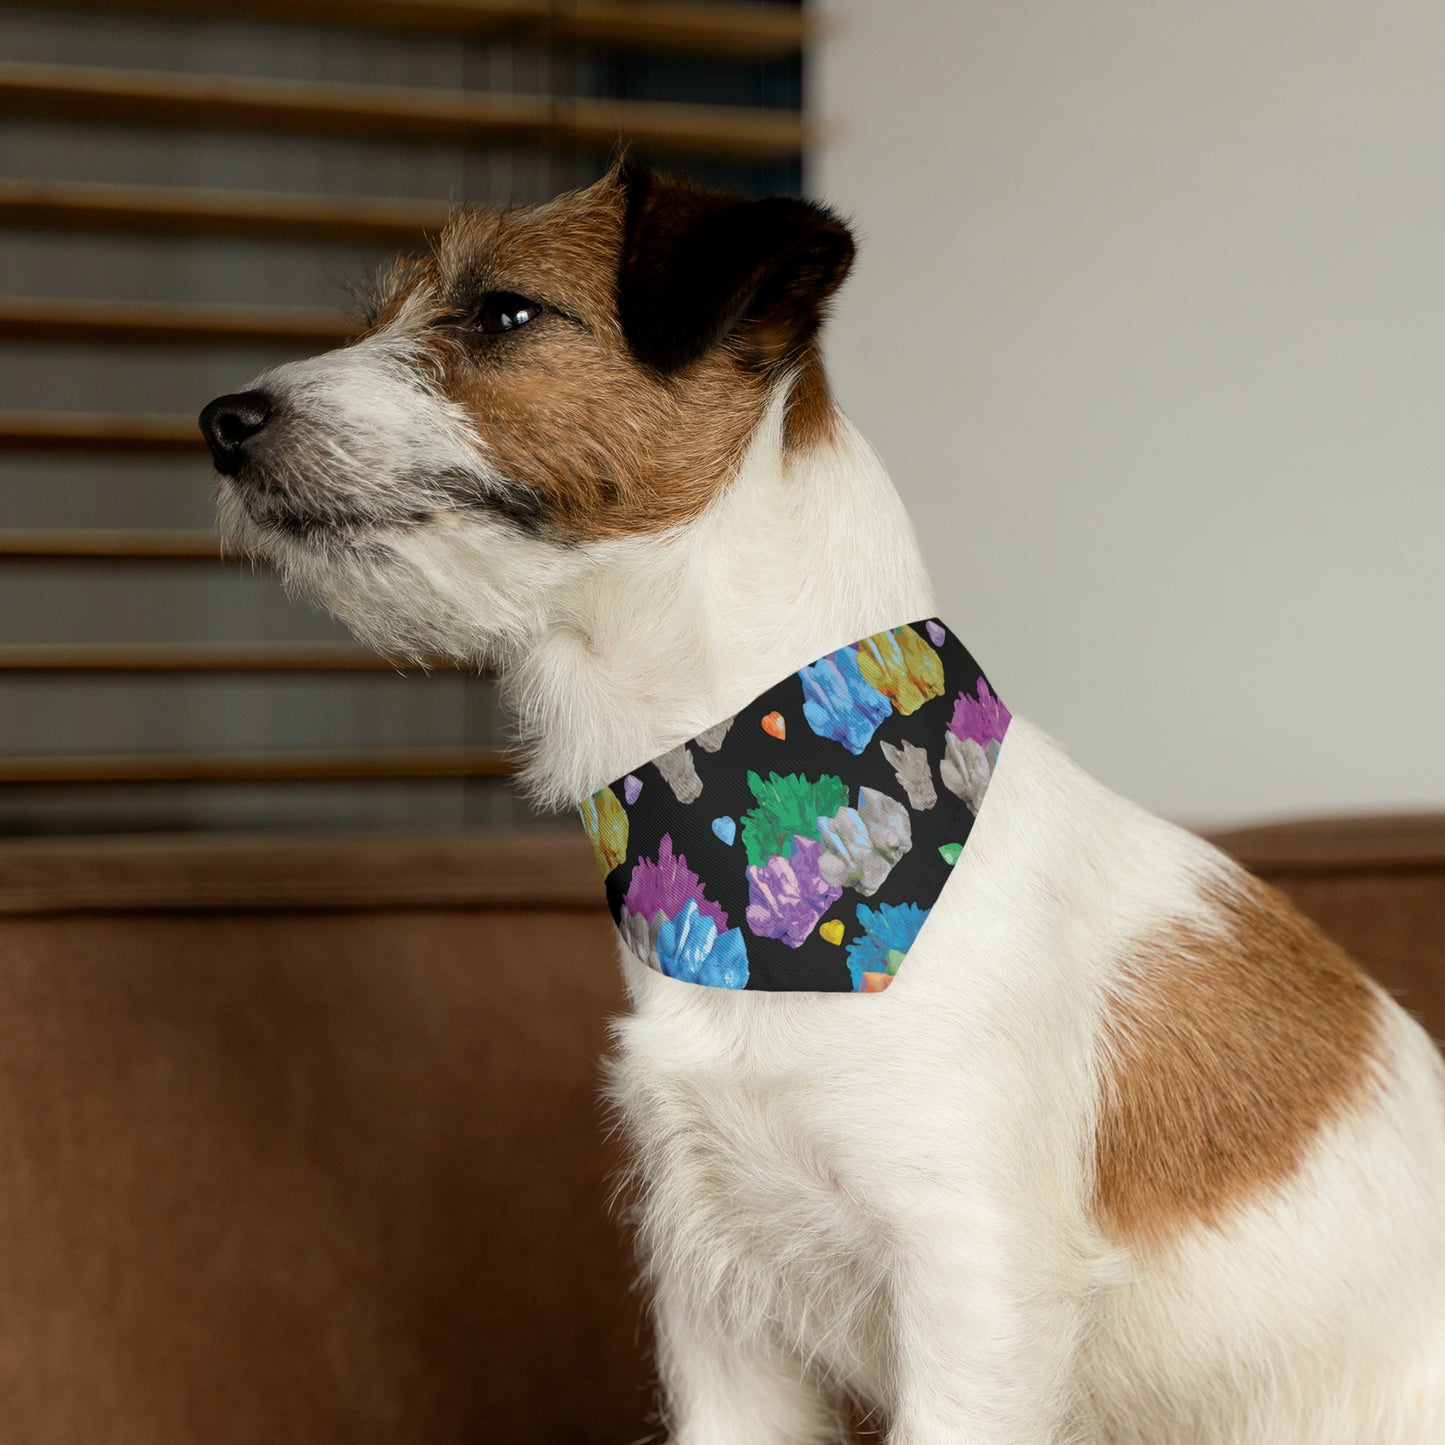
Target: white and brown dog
1130	1153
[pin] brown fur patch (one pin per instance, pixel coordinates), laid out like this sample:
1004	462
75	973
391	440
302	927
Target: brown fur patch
812	413
1225	1055
604	445
607	446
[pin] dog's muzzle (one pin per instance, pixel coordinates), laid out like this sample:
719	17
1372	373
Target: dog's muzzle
230	422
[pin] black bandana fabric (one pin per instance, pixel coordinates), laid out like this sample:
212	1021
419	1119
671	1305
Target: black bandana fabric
800	844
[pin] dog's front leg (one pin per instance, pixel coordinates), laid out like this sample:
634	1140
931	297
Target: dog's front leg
720	1388
985	1336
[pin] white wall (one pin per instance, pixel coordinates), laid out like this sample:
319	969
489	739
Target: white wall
1149	324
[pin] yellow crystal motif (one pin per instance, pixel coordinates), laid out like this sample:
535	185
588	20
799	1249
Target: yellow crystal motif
903	667
605	820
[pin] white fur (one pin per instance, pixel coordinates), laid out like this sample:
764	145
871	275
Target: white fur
891	1194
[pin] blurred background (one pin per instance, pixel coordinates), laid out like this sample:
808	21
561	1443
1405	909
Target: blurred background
1146	323
1149	324
187	191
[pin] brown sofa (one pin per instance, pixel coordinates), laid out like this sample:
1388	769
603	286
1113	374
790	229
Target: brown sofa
301	1139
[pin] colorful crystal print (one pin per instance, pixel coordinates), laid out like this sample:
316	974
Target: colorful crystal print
861	845
787	896
840	703
888	934
983	717
711	740
788	807
679	772
967	769
668	923
605	821
971	745
846	837
690	947
664	884
915	774
903	667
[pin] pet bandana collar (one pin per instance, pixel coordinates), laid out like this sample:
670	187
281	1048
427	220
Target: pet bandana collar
800	844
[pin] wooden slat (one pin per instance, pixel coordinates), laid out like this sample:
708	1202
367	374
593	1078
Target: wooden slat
549	868
259	767
219	102
743	31
76	544
171	323
712	29
177	211
195	657
80	431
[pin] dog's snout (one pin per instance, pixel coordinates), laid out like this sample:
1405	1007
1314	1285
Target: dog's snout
229	422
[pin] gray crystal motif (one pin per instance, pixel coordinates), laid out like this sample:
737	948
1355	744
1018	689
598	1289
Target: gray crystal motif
679	772
861	845
911	764
711	740
966	768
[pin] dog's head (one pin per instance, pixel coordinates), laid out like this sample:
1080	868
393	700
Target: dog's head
572	376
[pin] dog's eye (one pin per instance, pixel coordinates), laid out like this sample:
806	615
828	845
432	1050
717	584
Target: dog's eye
504	311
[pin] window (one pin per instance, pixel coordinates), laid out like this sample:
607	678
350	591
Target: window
184	196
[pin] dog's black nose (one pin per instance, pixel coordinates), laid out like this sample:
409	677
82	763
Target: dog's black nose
229	422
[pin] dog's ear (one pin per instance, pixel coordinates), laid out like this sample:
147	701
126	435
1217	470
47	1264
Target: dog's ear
699	266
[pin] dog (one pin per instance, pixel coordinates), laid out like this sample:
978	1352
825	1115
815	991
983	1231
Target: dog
1126	1151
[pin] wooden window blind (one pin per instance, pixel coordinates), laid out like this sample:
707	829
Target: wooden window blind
185	188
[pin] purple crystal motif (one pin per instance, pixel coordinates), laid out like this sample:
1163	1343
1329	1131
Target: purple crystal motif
787	896
666	885
631	787
984	719
936	634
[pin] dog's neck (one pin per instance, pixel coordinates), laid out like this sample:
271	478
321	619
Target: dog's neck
660	638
